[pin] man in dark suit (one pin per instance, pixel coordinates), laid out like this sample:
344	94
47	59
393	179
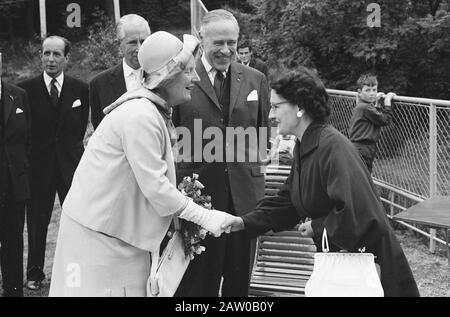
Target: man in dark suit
110	84
229	97
15	146
59	111
245	56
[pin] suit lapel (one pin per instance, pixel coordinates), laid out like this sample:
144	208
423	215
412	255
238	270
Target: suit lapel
235	85
8	102
65	99
205	83
118	81
45	95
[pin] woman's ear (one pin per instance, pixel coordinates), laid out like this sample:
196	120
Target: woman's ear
300	112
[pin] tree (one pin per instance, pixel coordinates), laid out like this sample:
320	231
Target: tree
409	52
9	10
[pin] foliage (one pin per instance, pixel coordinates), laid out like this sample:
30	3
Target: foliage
101	50
163	14
8	7
409	52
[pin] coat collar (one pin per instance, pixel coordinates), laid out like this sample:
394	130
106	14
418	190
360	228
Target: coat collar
8	97
118	81
65	100
205	84
235	71
311	138
140	93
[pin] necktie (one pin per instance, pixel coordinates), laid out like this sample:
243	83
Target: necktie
54	93
218	84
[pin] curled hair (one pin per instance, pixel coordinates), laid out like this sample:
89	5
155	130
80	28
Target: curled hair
304	88
367	80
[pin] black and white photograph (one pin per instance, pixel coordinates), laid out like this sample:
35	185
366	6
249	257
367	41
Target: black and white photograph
229	154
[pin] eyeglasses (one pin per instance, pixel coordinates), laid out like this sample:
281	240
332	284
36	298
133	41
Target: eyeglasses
278	103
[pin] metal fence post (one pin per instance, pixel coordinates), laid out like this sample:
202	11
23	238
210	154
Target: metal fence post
433	166
43	18
193	20
391	206
116	10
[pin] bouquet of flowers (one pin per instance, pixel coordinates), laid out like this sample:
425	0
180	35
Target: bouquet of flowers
192	233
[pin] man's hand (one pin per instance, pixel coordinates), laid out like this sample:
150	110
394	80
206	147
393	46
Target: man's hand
306	230
233	224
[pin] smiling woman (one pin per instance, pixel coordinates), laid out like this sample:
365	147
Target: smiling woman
118	225
328	183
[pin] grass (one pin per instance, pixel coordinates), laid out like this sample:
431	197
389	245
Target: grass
431	271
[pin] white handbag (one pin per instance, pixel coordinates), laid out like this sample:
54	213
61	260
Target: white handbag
343	274
167	271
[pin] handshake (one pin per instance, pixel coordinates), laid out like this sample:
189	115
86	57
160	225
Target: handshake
218	222
215	221
224	222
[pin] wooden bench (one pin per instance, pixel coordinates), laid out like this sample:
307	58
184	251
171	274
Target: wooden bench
284	260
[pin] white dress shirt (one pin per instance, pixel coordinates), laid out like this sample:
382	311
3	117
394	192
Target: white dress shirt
211	71
132	77
59	82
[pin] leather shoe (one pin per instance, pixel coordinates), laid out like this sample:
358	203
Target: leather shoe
34	285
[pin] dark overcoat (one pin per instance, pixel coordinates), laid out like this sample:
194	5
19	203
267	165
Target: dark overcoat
330	184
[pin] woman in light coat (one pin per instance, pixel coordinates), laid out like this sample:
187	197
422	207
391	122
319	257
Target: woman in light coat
123	195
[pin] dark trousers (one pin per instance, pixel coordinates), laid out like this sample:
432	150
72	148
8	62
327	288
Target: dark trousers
227	256
12	218
368	153
39	214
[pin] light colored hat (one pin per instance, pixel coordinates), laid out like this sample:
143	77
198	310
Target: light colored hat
163	54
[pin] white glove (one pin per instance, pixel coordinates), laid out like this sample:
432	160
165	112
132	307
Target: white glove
211	220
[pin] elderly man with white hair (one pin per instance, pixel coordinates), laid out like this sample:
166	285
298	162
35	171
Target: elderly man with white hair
124	196
106	87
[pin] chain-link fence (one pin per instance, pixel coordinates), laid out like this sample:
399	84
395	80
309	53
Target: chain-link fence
414	150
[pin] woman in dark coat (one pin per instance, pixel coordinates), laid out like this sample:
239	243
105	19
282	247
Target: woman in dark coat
328	183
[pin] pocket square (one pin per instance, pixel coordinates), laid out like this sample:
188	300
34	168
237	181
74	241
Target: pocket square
76	103
253	96
18	110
